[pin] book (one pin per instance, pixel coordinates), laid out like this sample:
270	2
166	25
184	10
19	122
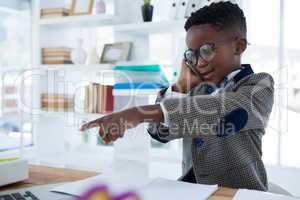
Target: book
57	109
57	101
10	90
64	105
109	99
57	62
56	49
54	15
10	103
54	10
95	95
92	104
98	98
58	53
55	58
101	98
86	99
56	95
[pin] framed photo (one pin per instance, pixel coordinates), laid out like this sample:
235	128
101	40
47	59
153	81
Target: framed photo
82	7
116	52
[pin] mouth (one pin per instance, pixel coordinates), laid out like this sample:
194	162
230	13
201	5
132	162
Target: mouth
208	75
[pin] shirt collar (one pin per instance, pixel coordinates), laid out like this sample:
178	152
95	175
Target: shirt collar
228	78
236	75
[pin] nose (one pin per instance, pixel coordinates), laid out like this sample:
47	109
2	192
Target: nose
201	63
203	67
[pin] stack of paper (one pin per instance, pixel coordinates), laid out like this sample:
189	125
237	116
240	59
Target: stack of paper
244	194
148	189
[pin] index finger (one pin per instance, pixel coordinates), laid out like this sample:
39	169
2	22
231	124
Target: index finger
89	125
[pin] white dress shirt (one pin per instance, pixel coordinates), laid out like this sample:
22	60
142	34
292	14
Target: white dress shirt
171	94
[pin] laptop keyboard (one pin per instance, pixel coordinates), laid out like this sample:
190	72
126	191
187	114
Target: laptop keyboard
18	196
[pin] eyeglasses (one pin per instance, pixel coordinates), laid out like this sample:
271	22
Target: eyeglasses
205	52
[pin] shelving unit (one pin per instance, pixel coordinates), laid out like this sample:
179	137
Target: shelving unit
50	32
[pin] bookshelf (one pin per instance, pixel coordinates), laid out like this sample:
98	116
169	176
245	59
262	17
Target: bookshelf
125	26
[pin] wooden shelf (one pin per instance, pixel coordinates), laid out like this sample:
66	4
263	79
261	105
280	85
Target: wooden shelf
145	28
83	21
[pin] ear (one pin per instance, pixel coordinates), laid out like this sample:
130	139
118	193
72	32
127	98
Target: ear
241	46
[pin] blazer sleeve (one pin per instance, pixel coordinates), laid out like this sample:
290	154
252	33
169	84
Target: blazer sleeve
155	129
158	131
223	113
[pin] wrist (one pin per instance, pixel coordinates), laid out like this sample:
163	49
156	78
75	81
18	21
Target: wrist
149	113
179	87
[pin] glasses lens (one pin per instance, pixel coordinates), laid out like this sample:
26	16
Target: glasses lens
191	58
206	52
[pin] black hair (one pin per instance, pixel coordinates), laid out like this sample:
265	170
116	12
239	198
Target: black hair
222	16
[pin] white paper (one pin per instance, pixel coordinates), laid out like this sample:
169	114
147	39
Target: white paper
244	194
148	189
116	182
162	189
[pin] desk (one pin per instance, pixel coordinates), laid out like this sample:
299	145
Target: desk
40	175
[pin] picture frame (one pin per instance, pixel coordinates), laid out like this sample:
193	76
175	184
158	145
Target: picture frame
81	7
116	52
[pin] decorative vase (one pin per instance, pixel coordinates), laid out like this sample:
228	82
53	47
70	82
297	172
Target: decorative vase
78	55
147	12
100	7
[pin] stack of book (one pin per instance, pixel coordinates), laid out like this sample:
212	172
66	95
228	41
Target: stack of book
10	99
140	74
57	102
56	55
98	98
54	12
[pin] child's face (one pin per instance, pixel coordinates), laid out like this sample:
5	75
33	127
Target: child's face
224	56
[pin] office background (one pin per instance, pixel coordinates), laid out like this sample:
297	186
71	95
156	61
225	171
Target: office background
52	138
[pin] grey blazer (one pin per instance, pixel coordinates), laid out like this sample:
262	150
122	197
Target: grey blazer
222	132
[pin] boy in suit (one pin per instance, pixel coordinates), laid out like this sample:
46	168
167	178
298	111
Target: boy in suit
220	108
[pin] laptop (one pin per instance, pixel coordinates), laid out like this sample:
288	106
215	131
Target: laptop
35	193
